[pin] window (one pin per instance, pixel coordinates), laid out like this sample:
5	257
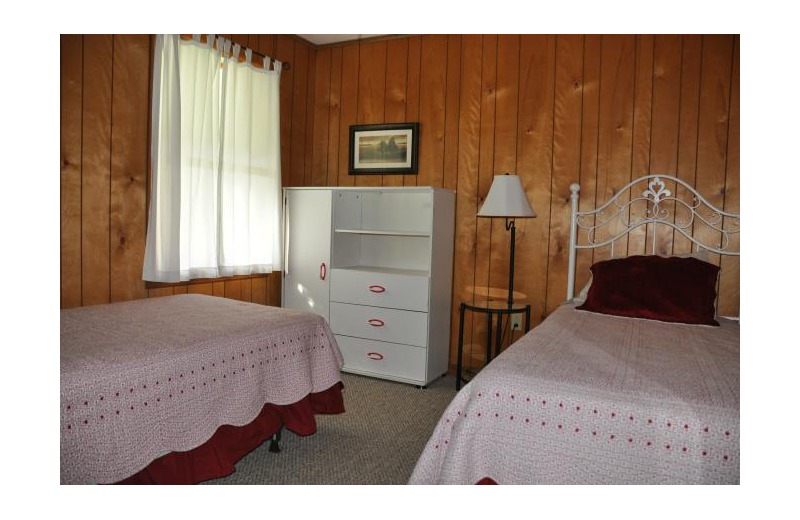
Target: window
215	206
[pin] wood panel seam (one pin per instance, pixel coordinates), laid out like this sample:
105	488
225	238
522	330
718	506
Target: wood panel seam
110	159
678	146
83	104
543	311
699	105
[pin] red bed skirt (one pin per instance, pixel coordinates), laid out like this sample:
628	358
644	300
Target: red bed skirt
218	455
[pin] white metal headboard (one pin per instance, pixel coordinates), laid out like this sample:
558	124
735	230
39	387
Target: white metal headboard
654	194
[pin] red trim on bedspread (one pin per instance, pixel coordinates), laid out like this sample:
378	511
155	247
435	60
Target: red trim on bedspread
485	480
217	456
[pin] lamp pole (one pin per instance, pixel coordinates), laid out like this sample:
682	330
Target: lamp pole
513	227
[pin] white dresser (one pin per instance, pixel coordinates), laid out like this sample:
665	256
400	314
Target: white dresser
377	263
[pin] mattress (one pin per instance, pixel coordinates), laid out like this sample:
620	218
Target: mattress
587	398
143	378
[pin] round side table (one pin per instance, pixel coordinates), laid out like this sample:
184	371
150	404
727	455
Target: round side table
490	308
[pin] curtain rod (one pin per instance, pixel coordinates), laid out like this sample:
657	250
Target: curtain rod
285	65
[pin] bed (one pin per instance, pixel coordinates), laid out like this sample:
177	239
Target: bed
177	389
591	398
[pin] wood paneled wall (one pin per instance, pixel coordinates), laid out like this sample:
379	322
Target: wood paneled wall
598	110
105	163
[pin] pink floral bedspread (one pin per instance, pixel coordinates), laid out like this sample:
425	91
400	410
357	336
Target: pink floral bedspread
587	398
143	378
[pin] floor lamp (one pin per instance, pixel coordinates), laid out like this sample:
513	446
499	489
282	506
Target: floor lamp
507	199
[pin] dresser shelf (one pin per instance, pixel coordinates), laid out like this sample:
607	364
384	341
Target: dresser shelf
384	232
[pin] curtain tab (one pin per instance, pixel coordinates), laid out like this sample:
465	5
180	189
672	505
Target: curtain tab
196	38
277	66
210	41
248	54
236	49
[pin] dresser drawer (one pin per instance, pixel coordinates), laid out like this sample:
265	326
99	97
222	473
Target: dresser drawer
398	291
396	326
382	358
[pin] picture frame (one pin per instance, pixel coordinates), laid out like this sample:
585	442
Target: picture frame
391	148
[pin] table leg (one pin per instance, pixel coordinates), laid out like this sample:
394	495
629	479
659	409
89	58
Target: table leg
527	318
489	338
460	346
498	334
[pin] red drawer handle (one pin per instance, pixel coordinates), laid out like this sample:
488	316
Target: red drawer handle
375	322
323	271
377	288
375	356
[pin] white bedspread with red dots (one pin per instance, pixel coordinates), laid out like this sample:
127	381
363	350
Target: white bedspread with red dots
587	398
143	378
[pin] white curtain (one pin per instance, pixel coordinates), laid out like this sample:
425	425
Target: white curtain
216	193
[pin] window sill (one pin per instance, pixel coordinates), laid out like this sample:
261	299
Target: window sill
159	285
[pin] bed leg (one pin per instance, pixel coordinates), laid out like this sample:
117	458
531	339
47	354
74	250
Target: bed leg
421	387
273	442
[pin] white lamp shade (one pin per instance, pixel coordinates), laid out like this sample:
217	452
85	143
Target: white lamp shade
506	198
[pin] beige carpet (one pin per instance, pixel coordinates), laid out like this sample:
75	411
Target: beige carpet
376	441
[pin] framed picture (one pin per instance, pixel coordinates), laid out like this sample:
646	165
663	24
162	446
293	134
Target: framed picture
381	149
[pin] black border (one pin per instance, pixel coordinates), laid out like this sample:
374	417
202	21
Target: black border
414	127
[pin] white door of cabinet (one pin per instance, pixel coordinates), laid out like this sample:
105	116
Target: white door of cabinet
306	281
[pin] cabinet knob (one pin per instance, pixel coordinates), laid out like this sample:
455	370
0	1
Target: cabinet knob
377	288
375	356
375	322
323	271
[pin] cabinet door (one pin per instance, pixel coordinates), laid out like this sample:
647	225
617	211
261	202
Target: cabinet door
306	281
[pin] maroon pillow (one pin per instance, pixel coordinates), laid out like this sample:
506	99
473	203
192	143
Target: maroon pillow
679	290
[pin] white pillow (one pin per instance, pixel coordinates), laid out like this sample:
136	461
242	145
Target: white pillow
581	298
